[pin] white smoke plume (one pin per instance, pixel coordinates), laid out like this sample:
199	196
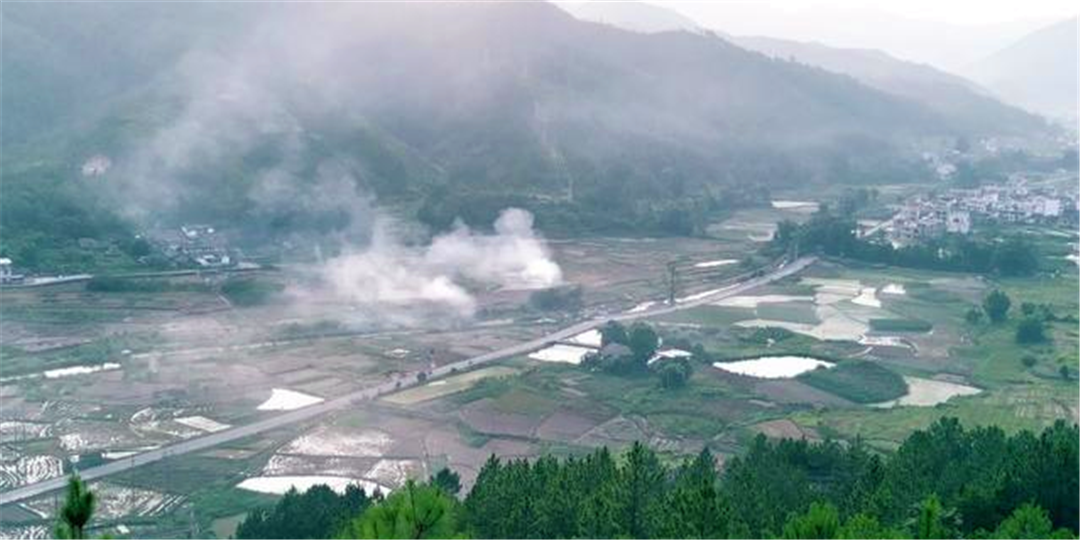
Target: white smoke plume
389	274
250	129
514	257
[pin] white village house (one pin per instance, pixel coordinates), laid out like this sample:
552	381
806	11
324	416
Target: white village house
7	272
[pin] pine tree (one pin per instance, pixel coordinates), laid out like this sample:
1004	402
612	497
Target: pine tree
79	503
996	305
933	520
866	526
601	515
449	481
1028	521
694	508
820	521
642	484
413	511
485	506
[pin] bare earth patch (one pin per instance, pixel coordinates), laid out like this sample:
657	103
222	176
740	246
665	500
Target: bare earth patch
338	441
785	429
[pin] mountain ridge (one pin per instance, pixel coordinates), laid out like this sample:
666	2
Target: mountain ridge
458	110
1037	72
951	95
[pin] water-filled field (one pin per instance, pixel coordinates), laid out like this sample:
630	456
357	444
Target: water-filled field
773	367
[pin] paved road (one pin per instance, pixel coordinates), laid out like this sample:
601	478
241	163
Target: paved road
319	409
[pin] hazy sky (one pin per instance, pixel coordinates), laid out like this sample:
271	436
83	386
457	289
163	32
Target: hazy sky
963	12
983	12
948	33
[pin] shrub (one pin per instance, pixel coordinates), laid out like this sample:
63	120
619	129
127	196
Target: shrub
996	305
249	292
674	373
557	299
1031	329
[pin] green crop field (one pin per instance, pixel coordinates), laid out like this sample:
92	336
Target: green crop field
900	325
861	382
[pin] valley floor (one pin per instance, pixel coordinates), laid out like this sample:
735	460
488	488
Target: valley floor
101	376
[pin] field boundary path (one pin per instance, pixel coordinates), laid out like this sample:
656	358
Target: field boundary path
30	491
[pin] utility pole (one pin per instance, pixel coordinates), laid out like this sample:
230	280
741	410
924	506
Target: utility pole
672	282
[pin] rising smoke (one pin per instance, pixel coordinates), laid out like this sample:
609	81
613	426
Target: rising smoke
279	92
389	274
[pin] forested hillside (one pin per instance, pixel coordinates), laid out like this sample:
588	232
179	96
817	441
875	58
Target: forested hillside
959	101
955	98
219	112
945	482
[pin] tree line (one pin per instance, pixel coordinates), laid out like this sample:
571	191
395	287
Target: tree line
943	482
835	235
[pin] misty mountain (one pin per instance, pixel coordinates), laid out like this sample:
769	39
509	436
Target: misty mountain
954	97
634	16
294	116
1038	72
951	96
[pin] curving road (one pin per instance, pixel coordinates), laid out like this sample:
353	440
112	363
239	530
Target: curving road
312	411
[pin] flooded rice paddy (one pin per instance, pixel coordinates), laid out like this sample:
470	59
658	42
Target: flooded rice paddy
279	485
773	367
567	354
929	392
287	400
716	263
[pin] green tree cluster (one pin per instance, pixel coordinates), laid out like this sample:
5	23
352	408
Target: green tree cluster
944	482
566	298
624	351
628	351
836	235
674	373
319	512
414	511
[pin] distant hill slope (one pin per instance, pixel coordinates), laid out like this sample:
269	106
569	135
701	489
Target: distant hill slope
1038	72
954	97
266	114
634	16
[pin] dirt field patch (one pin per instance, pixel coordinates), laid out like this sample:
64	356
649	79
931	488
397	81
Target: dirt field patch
339	441
784	429
791	391
564	425
484	417
617	432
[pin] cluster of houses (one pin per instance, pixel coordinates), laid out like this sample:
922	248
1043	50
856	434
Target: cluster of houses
927	218
953	211
189	245
201	245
